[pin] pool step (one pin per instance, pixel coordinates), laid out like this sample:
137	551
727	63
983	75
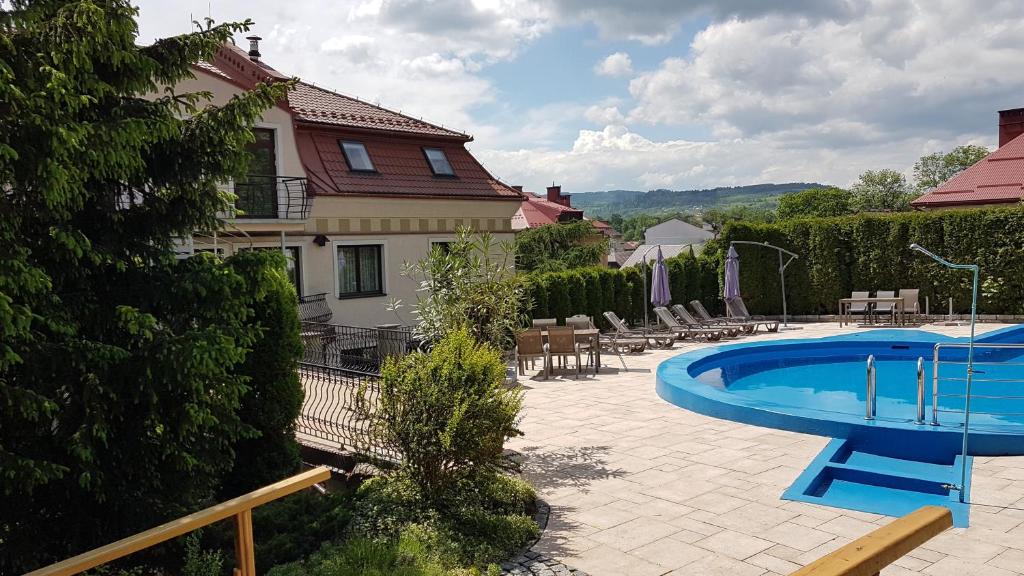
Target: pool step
858	479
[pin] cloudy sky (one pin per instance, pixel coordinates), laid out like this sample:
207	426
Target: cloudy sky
605	94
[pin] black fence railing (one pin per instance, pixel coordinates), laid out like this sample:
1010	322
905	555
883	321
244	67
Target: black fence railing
283	197
352	347
314	308
339	411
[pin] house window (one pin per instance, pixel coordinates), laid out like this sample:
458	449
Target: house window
357	157
360	270
438	162
444	245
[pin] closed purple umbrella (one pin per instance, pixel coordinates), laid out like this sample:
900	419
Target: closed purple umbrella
732	274
660	295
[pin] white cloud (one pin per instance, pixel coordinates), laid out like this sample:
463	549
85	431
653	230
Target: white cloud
784	90
901	71
604	115
617	64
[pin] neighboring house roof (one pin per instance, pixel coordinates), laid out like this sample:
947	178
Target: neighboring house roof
651	253
605	228
321	106
536	211
401	168
676	231
997	179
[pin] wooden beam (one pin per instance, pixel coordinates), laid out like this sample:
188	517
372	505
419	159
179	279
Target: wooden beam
234	507
867	555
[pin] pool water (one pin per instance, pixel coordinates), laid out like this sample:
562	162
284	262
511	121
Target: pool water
890	464
838	384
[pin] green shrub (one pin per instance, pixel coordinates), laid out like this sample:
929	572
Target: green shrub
200	562
554	247
447	413
274	400
470	285
290	529
870	252
594	291
478	521
408	555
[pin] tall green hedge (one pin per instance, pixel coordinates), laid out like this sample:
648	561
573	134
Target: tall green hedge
593	291
870	252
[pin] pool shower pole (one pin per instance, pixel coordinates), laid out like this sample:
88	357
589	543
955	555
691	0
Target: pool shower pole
782	274
970	356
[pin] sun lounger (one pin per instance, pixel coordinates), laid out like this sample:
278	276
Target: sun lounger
737	309
684	331
687	319
748	326
624	336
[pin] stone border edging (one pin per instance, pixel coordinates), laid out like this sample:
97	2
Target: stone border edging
530	563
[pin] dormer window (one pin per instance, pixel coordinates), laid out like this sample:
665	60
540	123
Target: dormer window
438	162
356	156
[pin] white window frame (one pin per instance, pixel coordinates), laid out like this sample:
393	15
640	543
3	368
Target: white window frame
383	243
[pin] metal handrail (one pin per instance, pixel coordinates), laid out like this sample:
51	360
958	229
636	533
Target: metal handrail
240	508
937	378
920	391
870	401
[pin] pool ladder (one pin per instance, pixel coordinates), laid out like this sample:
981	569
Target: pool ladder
871	401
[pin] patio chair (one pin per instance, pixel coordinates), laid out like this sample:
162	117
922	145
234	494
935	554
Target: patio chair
863	308
911	302
580	322
544	322
886	307
687	319
635	339
737	309
584	322
683	331
562	344
748	327
530	346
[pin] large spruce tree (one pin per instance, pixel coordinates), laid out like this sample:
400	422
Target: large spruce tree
120	379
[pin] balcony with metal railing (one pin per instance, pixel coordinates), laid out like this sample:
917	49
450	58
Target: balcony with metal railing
271	198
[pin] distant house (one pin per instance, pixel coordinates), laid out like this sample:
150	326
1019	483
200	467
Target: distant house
676	231
994	181
536	210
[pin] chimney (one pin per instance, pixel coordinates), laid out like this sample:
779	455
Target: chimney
555	195
254	47
1011	125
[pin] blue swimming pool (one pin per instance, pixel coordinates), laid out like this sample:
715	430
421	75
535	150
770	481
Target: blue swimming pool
819	386
891	464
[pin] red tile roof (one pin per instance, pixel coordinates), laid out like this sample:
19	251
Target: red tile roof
402	169
537	211
394	141
997	179
319	105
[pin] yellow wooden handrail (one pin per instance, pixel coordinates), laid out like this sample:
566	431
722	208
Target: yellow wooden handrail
867	555
240	508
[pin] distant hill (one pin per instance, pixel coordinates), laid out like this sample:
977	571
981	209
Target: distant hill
627	202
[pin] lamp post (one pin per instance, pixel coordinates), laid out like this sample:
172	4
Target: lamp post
970	354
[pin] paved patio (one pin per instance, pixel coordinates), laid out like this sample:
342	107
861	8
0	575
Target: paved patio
638	486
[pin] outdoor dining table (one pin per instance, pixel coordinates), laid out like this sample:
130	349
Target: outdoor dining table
845	317
591	335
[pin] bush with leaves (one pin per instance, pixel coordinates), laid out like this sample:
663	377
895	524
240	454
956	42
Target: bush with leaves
560	246
274	400
119	386
470	284
447	413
